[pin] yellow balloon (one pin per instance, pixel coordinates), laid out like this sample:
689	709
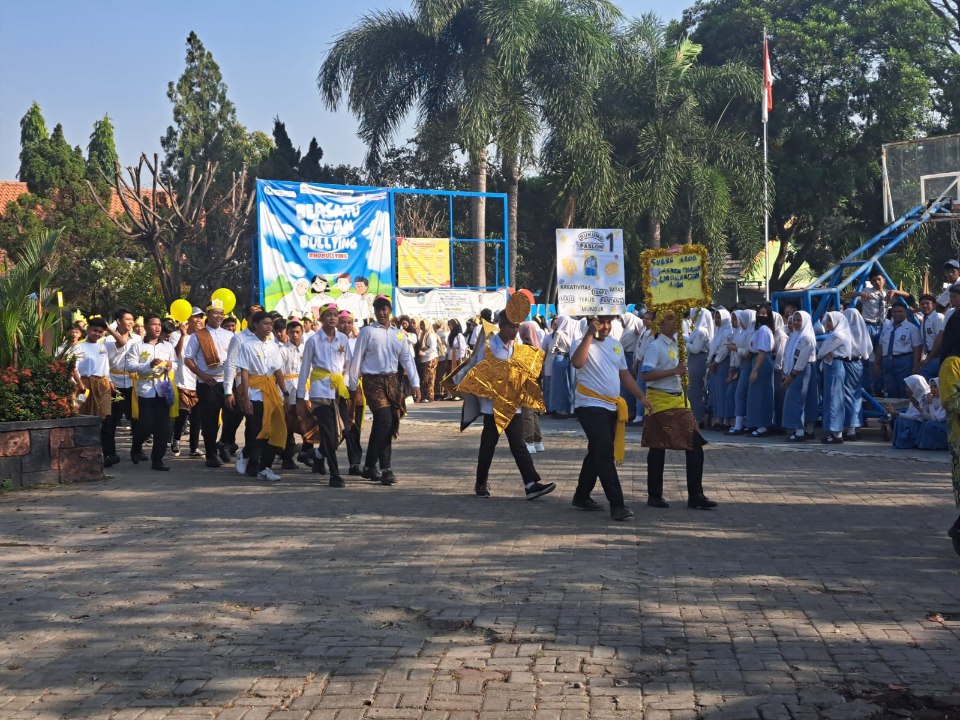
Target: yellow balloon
243	324
226	297
180	310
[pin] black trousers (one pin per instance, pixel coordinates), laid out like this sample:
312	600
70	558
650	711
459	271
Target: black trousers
108	428
380	444
154	421
231	423
180	422
260	454
600	427
518	448
327	425
352	431
655	462
210	404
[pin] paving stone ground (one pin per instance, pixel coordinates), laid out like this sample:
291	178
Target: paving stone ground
200	594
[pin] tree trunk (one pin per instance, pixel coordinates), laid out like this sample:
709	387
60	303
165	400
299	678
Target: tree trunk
511	172
478	216
654	237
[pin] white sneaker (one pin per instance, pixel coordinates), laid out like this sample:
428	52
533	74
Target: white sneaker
531	448
267	474
539	446
241	463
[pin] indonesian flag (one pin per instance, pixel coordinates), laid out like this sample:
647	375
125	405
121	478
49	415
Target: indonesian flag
767	105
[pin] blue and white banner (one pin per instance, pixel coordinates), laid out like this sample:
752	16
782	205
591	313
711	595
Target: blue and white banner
321	244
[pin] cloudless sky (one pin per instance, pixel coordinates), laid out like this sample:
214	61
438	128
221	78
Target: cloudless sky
79	60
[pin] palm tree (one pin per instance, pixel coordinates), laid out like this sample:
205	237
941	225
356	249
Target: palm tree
680	156
498	72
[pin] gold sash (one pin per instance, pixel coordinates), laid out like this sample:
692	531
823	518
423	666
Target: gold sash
623	414
274	428
336	381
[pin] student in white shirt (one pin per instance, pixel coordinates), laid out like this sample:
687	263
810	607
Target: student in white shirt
698	343
931	325
429	358
154	361
92	371
187	388
501	346
291	353
262	394
326	357
951	275
800	378
900	346
381	348
670	425
456	353
718	367
601	370
834	351
347	325
118	345
760	391
205	355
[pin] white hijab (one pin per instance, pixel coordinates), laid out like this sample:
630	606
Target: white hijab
565	334
918	387
839	341
780	336
746	318
704	323
862	344
723	333
802	343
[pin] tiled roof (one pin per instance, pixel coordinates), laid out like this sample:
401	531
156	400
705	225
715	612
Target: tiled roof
10	191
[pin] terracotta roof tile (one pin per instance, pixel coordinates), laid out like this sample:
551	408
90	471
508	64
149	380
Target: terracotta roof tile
10	191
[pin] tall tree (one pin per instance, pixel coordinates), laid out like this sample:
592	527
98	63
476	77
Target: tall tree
309	168
494	71
850	76
283	162
102	157
33	132
205	127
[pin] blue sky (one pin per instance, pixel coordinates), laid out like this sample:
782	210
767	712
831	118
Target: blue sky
80	60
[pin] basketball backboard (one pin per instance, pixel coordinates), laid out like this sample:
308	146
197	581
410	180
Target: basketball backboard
918	171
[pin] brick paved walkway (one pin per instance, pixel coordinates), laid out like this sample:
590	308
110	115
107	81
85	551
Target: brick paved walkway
204	595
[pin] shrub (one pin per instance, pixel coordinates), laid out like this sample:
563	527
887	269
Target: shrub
40	389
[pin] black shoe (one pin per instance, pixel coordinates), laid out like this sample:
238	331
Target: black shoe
851	438
701	502
288	464
538	489
303	457
759	434
160	465
657	502
232	449
832	440
223	453
588	504
175	448
797	438
481	489
214	461
195	453
109	460
388	478
355	471
135	457
337	481
621	513
320	467
371	473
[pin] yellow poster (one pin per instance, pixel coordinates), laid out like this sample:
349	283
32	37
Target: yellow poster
676	275
423	262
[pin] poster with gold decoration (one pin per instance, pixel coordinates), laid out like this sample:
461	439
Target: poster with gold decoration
675	277
590	272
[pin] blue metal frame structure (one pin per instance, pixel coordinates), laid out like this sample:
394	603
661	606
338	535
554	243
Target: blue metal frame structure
451	195
823	294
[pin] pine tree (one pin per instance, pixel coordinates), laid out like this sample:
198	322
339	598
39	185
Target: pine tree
205	126
101	152
33	132
284	159
310	170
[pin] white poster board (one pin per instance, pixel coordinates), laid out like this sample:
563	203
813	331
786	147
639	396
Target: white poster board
446	303
590	272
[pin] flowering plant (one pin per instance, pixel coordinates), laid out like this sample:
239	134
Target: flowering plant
40	389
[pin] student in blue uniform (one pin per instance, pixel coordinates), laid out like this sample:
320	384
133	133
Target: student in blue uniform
718	358
923	424
760	391
835	349
741	376
900	346
860	349
800	379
